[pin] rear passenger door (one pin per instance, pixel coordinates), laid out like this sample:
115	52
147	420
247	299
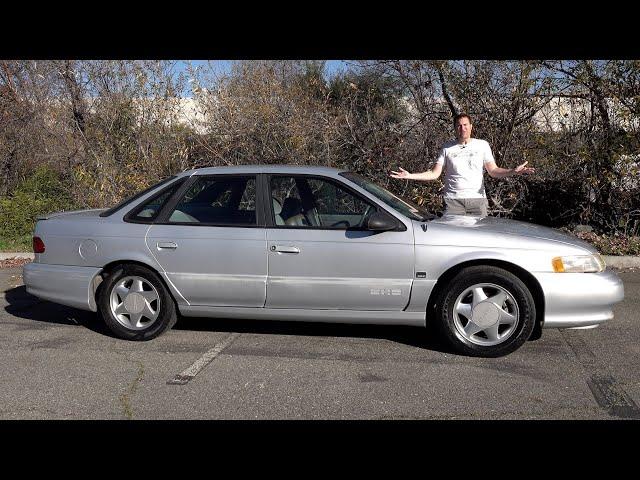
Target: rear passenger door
209	243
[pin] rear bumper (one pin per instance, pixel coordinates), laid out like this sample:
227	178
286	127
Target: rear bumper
62	284
574	300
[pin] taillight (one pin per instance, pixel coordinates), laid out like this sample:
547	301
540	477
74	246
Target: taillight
38	245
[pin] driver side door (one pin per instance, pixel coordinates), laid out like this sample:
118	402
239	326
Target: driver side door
320	256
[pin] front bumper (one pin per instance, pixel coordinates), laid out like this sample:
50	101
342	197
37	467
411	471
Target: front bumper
578	300
67	285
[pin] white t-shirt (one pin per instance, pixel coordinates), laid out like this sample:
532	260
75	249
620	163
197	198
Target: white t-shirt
464	168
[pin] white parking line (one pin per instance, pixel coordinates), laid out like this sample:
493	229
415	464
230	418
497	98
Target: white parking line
207	358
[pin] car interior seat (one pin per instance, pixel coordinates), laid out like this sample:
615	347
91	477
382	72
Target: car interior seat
292	212
277	210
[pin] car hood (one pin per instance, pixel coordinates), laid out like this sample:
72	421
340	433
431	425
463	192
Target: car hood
500	227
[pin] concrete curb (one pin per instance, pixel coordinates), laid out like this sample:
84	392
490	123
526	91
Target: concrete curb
621	261
8	255
610	260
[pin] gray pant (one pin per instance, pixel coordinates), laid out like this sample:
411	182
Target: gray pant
466	206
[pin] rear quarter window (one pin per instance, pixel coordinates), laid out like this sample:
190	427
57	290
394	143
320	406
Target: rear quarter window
135	197
149	210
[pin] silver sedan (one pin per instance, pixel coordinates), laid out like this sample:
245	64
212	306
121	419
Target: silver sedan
315	244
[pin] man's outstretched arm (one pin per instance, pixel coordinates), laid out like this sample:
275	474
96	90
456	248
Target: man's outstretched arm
499	172
424	176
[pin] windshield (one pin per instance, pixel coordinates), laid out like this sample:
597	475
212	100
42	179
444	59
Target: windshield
403	206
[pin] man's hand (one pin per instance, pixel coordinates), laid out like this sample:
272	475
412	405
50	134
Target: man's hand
401	174
523	170
424	176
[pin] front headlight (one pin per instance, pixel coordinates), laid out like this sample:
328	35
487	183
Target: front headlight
578	264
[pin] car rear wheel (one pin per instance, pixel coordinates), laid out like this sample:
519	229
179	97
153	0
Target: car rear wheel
485	311
135	304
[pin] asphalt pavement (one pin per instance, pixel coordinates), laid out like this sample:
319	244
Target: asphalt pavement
57	362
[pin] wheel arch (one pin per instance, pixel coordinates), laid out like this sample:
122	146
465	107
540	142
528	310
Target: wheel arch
527	278
111	266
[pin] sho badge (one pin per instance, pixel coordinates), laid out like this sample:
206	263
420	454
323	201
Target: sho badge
385	291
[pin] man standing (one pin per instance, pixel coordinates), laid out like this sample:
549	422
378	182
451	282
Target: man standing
464	160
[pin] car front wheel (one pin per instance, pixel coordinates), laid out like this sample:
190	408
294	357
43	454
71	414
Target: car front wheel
485	311
135	304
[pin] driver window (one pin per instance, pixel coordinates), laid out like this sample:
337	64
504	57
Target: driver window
315	202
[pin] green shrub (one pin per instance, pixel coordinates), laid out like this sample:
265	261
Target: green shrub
16	244
42	192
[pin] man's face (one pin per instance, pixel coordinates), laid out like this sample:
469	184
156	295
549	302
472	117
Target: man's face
463	129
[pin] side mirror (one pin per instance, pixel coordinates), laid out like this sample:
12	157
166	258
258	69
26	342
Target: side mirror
381	222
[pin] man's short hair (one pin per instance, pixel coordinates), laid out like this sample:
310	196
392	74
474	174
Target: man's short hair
459	116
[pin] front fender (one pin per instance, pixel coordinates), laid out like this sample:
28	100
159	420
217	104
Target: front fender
436	260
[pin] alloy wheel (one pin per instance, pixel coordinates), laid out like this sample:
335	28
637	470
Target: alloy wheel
135	303
485	314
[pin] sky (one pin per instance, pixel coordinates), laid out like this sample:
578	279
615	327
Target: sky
223	66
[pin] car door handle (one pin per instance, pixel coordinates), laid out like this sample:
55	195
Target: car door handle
167	245
284	249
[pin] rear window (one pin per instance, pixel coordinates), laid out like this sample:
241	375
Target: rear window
222	200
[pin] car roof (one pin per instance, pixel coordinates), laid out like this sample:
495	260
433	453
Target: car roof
247	169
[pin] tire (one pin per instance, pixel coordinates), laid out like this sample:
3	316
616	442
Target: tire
135	304
500	304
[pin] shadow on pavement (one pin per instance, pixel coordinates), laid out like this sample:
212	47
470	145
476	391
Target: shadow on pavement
26	306
413	336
